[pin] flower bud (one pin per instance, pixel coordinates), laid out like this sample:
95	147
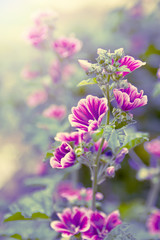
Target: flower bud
79	152
119	53
85	65
110	171
120	156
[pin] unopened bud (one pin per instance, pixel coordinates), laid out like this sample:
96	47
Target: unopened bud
110	171
120	156
85	65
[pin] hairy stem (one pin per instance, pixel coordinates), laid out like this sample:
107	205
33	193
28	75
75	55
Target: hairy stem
97	160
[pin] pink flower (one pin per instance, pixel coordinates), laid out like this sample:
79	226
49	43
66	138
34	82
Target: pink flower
87	116
37	98
55	71
130	63
46	17
153	223
29	74
67	47
101	225
55	112
153	147
86	194
97	145
75	137
72	222
129	98
64	157
37	36
158	73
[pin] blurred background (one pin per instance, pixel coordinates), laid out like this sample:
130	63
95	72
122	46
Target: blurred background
24	137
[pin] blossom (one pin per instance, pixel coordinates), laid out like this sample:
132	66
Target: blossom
153	222
75	137
97	145
37	36
37	98
45	17
129	98
55	112
87	116
67	47
120	156
130	63
64	156
153	147
29	74
101	225
72	222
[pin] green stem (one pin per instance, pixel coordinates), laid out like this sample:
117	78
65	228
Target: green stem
97	160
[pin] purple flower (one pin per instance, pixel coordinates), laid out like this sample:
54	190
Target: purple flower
72	222
153	147
129	98
64	157
75	137
55	112
153	223
101	225
120	156
87	116
67	47
130	63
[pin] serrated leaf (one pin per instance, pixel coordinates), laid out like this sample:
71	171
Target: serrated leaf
107	132
88	82
134	139
156	90
113	141
121	232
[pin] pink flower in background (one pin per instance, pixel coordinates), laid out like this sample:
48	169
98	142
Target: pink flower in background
29	74
37	36
86	194
153	147
87	116
72	222
129	98
68	71
42	169
55	71
75	137
55	112
37	98
64	157
158	73
101	225
45	17
97	145
153	223
67	47
130	63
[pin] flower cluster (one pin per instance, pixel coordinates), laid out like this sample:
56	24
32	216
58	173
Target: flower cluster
85	223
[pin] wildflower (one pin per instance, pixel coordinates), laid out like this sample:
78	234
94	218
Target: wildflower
129	98
101	225
130	63
55	112
120	156
37	36
87	116
67	47
153	223
75	137
37	98
64	157
153	147
72	222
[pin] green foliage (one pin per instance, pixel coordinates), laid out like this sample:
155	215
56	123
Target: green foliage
121	232
88	82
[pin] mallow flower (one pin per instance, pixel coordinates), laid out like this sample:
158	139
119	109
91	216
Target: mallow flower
153	223
64	157
55	112
87	116
130	63
101	225
72	222
75	137
153	147
129	98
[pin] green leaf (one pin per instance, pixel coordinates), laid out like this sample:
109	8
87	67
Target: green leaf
156	90
134	139
48	155
96	136
87	82
107	132
121	232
